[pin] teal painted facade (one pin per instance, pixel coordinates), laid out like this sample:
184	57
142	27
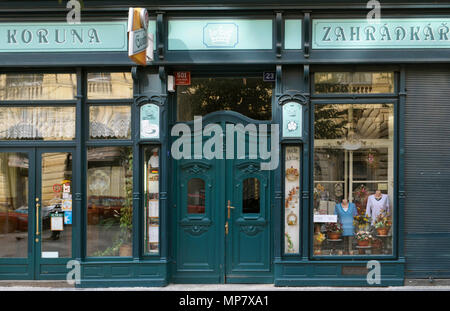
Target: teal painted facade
196	249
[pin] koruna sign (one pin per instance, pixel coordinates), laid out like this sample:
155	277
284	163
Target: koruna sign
389	33
63	37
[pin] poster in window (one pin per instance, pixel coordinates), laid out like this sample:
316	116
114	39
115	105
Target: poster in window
149	121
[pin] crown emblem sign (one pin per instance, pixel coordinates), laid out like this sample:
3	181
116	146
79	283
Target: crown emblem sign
220	35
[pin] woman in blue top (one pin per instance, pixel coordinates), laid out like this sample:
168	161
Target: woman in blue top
345	212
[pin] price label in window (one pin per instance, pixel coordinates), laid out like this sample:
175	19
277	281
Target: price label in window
56	221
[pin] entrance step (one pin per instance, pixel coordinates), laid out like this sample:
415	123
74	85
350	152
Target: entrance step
28	283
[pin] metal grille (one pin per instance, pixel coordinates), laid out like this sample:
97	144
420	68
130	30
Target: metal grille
427	172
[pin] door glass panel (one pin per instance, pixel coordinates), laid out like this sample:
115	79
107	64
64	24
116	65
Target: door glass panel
251	196
249	96
38	86
110	122
109	196
56	199
110	85
196	196
37	123
13	204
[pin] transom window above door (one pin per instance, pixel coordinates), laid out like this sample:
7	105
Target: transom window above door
250	96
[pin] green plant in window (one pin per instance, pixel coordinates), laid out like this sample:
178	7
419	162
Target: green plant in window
121	245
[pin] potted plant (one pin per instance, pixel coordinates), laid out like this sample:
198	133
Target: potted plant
361	222
363	238
334	230
383	224
319	237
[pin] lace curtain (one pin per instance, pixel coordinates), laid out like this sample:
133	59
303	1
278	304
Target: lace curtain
110	122
47	123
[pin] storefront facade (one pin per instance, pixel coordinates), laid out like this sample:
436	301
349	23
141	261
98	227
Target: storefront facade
304	120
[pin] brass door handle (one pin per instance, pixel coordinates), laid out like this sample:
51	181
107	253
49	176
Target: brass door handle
37	218
229	207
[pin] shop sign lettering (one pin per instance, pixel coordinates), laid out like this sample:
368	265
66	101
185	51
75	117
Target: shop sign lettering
63	37
383	34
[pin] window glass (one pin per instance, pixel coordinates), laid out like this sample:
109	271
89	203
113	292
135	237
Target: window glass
110	122
292	199
38	86
353	82
56	172
14	169
151	193
251	97
196	196
109	197
251	196
353	179
109	85
37	123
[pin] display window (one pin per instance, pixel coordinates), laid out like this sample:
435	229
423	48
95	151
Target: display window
151	198
292	199
109	197
353	179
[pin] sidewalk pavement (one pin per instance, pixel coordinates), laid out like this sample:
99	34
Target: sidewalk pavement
410	285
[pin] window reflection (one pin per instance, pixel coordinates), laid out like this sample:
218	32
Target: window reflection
109	85
38	86
109	188
353	82
251	97
13	204
56	196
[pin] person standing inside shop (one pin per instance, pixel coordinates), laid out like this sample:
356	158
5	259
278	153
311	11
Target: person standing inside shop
376	204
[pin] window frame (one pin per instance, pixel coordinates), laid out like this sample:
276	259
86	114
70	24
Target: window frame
74	103
227	74
131	142
283	195
343	99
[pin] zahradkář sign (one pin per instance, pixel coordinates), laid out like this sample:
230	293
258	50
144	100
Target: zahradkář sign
410	33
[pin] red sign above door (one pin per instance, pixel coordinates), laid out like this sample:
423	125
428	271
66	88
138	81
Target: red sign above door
182	78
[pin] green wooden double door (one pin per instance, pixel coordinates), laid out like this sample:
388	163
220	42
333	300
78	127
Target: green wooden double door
36	186
222	217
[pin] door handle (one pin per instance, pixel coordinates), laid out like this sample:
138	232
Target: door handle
37	218
229	207
226	228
